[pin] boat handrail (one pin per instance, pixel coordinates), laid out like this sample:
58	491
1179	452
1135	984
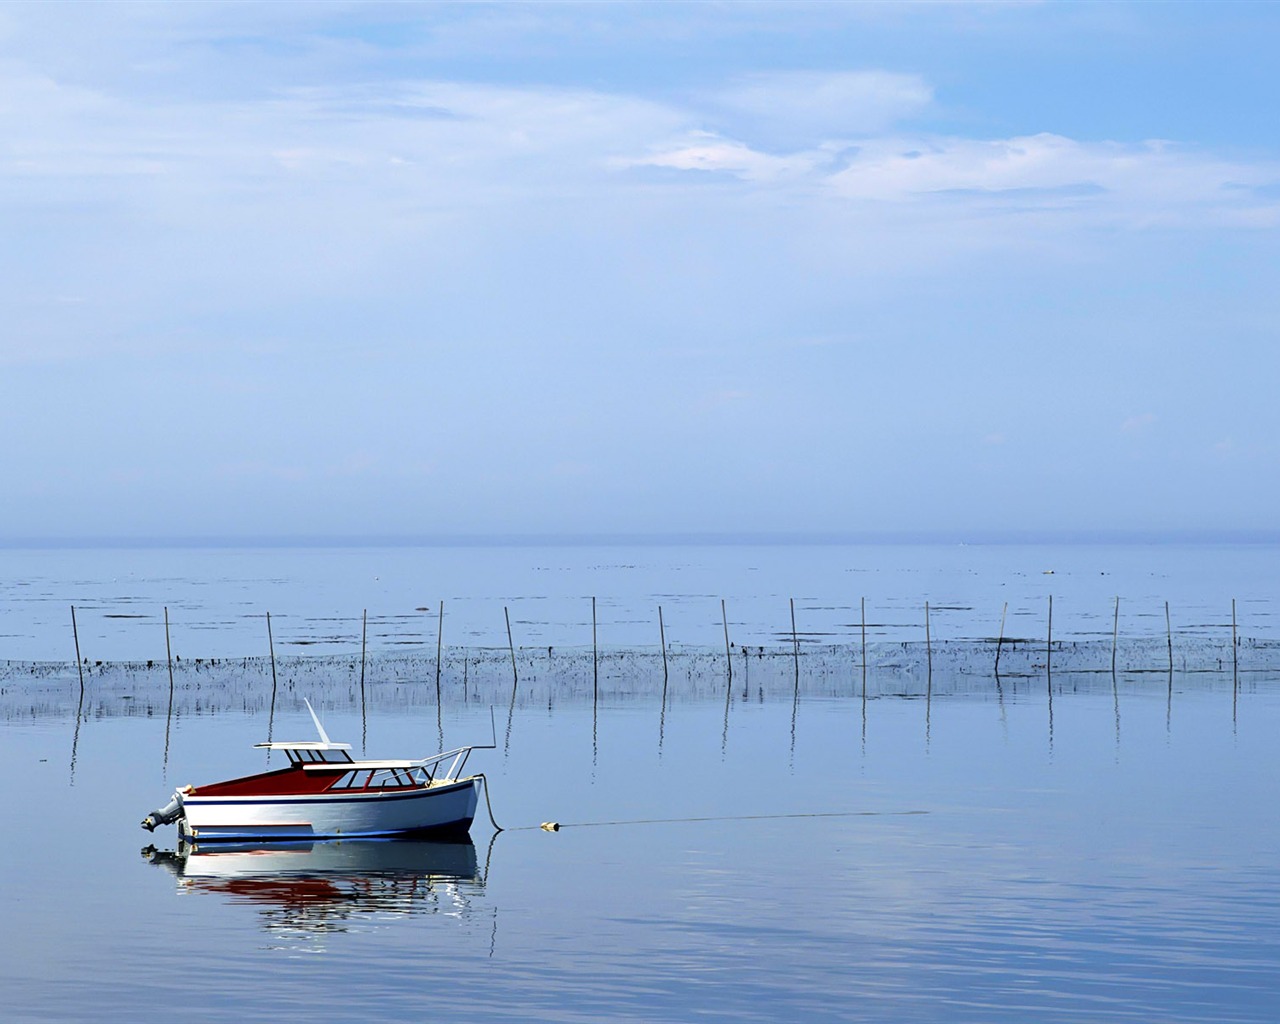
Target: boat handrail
459	756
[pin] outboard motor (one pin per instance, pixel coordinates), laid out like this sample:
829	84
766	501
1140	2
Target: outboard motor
166	815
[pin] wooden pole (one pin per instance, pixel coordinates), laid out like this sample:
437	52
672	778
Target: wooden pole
928	691
928	642
728	661
439	648
864	648
1115	636
662	712
271	644
1234	641
662	635
1168	702
1000	638
271	716
168	650
75	635
364	707
595	654
795	642
515	677
1048	645
1048	676
864	677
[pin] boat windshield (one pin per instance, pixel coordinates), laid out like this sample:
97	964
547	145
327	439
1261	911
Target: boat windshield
384	778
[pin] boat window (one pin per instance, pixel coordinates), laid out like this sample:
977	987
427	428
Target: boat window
352	780
331	756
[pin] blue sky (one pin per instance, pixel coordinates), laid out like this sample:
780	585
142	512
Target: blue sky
360	269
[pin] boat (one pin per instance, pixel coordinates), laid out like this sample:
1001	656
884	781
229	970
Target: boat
324	793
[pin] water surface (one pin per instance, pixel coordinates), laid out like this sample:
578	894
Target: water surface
1059	844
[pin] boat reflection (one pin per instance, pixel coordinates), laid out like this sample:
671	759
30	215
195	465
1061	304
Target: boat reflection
315	888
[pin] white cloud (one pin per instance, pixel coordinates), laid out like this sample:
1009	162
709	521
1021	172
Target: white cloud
434	133
708	152
310	190
1147	174
448	143
1142	184
899	170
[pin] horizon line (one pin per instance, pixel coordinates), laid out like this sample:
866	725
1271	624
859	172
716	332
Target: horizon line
763	538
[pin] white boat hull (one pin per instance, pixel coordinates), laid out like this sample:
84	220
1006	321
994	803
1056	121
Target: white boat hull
441	809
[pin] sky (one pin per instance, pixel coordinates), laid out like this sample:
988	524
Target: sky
397	270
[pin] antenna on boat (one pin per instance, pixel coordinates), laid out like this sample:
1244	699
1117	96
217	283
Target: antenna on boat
324	736
493	731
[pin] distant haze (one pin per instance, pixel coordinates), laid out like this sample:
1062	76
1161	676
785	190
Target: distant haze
324	270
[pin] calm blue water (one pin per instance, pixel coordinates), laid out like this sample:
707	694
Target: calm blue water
1056	849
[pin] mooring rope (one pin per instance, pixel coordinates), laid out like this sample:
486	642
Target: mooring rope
556	826
488	804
